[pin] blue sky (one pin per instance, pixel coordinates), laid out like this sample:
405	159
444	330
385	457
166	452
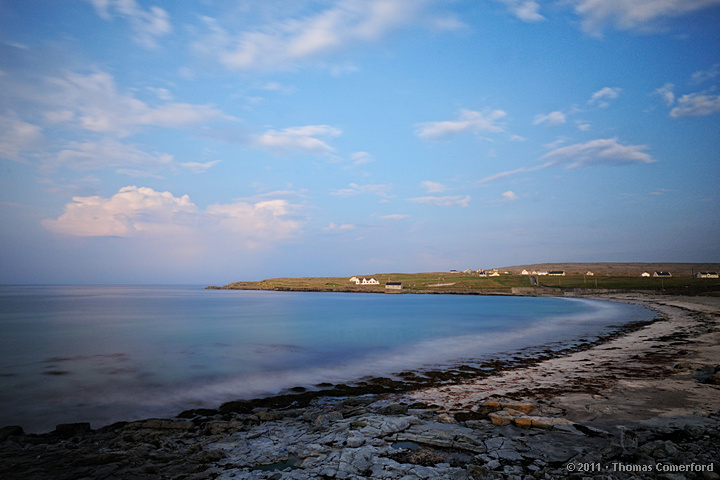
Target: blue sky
215	141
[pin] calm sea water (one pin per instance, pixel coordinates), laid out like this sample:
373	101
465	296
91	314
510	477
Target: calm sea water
108	353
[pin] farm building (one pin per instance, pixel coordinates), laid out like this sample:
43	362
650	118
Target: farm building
662	274
706	275
393	286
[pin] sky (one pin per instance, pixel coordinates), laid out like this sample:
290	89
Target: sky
205	142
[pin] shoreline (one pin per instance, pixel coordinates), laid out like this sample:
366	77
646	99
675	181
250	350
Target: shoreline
648	378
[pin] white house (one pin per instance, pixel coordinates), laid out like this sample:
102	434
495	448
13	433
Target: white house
353	279
645	274
662	274
589	274
706	275
542	273
367	281
524	272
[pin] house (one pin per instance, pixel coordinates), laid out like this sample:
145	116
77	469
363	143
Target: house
706	275
524	272
353	279
453	271
482	273
493	273
662	274
542	273
467	270
367	281
589	274
645	274
557	273
393	286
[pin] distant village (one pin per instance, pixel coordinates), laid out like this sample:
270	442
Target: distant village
371	281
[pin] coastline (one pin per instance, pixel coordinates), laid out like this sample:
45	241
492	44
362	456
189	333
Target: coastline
650	380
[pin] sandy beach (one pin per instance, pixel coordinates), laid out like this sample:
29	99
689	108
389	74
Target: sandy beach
645	404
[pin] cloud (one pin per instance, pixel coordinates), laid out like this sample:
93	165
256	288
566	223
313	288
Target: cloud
433	187
93	103
525	10
706	75
394	217
17	136
509	196
381	190
602	152
596	153
696	105
641	15
601	97
105	153
143	212
284	42
447	201
129	212
298	139
333	227
362	158
552	119
666	92
197	167
148	25
469	121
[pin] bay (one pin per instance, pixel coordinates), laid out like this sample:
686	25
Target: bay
109	353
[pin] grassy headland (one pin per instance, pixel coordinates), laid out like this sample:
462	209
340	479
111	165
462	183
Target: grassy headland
605	276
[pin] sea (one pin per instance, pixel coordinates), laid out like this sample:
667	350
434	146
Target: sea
102	354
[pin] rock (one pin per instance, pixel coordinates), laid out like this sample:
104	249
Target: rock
525	408
628	441
355	439
355	461
327	419
67	430
445	418
10	431
500	418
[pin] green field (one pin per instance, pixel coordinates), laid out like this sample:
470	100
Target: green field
446	282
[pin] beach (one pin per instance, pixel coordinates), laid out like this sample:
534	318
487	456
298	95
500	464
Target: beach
643	403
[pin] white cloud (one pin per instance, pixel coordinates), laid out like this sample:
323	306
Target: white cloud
596	153
469	121
582	125
601	97
394	217
447	201
552	119
148	25
706	75
144	212
666	92
381	190
642	15
17	136
602	152
197	167
298	139
105	153
696	105
92	102
362	158
129	212
334	227
525	10
509	196
283	42
433	187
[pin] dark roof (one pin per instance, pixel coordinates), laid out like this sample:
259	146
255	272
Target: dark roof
393	283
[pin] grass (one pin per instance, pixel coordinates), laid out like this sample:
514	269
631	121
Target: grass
440	282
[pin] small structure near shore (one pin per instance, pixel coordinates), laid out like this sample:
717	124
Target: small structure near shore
394	286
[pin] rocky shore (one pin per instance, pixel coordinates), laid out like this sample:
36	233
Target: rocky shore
644	404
